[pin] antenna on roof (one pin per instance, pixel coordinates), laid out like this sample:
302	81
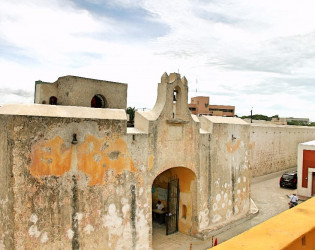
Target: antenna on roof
196	85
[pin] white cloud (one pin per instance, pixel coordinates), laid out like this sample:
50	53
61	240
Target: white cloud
241	52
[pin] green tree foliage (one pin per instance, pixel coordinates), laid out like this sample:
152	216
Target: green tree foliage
267	118
259	117
131	112
298	123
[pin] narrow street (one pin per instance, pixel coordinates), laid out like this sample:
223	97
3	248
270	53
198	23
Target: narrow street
268	197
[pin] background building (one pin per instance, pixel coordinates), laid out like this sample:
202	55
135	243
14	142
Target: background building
83	92
200	106
299	120
306	169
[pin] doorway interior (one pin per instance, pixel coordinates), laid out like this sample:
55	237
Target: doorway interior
175	188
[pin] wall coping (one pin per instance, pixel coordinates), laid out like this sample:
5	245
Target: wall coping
62	111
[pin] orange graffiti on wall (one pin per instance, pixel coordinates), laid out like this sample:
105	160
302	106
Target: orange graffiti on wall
94	156
151	162
50	158
232	148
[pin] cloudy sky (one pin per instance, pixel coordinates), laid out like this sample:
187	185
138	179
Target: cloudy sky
247	53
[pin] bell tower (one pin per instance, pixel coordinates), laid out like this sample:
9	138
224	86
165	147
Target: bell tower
172	100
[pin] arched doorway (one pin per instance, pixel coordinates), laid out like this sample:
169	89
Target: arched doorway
98	101
175	188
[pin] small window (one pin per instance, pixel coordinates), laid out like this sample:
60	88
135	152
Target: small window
98	101
53	100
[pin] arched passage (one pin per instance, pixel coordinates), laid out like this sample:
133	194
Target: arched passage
186	200
98	101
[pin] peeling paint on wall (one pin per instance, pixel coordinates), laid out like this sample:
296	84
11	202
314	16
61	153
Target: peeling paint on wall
113	155
151	162
50	158
232	147
93	157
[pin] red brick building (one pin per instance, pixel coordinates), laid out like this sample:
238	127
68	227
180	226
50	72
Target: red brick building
200	106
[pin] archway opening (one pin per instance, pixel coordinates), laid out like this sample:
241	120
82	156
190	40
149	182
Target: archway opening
184	201
53	100
98	101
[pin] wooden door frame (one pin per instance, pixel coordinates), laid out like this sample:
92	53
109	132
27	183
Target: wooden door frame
168	214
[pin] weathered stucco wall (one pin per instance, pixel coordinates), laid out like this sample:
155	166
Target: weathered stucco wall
68	195
6	191
43	91
229	194
274	147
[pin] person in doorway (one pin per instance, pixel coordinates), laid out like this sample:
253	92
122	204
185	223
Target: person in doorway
159	205
293	200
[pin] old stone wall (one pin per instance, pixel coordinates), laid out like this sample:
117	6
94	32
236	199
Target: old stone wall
43	91
70	195
274	147
229	190
6	191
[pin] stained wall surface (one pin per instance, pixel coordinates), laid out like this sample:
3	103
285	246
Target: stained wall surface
229	192
68	195
6	185
274	147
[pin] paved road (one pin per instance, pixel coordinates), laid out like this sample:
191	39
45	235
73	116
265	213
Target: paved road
268	197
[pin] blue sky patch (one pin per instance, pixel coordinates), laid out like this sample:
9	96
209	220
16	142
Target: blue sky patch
14	53
132	22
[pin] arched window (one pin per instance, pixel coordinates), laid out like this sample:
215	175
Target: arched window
53	100
98	101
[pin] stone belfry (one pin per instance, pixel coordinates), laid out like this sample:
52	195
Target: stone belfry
172	99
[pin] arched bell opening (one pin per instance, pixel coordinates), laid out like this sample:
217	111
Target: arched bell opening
177	103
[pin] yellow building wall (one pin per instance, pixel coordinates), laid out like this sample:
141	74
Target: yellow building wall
291	230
